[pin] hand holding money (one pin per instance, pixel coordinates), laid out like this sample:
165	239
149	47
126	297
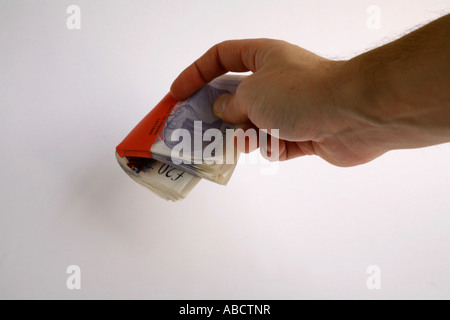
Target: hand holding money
339	110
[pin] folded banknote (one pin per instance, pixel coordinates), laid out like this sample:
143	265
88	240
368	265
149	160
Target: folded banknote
166	181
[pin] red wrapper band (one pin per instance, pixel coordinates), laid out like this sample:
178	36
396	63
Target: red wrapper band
140	140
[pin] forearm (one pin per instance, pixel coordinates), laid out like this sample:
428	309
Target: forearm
403	88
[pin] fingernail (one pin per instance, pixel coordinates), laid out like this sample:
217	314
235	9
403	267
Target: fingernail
219	107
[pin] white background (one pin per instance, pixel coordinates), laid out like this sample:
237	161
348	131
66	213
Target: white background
68	97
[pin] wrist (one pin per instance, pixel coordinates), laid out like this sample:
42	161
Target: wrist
366	100
357	96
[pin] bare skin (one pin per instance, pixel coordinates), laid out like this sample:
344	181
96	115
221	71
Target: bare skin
347	112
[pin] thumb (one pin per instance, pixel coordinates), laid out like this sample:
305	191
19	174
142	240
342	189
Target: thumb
227	108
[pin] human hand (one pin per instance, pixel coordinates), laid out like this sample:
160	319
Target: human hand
321	107
291	89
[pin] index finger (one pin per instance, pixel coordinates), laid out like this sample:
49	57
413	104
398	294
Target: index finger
232	55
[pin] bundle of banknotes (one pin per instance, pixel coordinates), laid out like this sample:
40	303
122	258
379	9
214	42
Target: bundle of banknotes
166	181
180	142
